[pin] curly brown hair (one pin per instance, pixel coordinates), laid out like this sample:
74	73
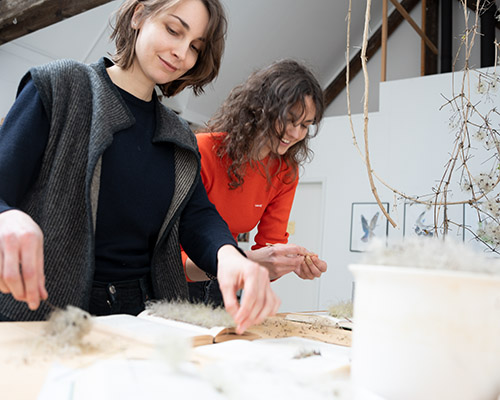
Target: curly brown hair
208	63
257	111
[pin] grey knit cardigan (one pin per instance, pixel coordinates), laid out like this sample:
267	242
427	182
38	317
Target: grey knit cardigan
85	110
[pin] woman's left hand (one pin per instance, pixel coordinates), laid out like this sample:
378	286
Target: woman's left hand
311	267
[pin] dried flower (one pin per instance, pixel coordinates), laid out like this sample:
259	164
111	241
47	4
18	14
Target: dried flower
492	207
433	253
489	232
68	326
466	185
174	351
481	134
485	182
196	314
481	87
341	310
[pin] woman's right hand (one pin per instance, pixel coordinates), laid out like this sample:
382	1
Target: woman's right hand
279	259
21	258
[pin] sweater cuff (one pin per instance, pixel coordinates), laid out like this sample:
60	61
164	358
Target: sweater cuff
210	273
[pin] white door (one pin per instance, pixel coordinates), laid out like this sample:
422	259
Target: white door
306	229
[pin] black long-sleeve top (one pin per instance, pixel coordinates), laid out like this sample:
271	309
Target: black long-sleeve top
133	198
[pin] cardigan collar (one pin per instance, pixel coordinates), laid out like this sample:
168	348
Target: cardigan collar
169	126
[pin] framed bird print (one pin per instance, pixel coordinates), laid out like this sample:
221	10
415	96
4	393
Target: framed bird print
367	223
422	220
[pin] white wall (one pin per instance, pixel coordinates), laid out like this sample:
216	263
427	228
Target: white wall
409	141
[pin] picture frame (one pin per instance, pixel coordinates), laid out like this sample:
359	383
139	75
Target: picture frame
472	227
367	223
418	220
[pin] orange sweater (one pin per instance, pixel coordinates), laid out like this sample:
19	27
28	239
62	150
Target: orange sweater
252	203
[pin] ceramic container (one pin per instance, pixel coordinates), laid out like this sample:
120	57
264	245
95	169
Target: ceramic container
426	334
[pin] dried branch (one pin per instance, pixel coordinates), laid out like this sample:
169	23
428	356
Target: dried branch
464	118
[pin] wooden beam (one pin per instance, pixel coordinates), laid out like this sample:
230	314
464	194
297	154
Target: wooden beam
410	20
446	28
374	43
432	32
20	17
422	45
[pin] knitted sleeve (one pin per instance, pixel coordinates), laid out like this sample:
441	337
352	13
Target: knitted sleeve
23	138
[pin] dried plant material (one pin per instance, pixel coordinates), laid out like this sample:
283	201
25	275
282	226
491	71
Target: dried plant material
196	314
473	115
341	310
431	253
62	336
278	327
68	326
304	353
174	351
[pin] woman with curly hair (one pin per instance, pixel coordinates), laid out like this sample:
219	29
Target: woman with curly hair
250	153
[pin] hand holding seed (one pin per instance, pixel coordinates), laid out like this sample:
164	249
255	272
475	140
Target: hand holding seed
279	259
311	267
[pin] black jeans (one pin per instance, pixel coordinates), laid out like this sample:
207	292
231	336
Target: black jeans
125	297
206	292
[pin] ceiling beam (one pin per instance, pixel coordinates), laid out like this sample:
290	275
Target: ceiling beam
20	17
431	17
374	43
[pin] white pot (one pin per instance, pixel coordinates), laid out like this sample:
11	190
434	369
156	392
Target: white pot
426	334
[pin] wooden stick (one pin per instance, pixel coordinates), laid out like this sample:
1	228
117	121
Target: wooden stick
422	45
410	20
365	112
383	75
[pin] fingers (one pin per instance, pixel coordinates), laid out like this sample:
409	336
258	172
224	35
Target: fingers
281	259
254	298
3	286
259	301
32	269
21	258
311	267
289	249
320	264
11	273
231	303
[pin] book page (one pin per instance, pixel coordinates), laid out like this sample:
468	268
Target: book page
148	330
141	379
219	333
288	365
199	330
320	318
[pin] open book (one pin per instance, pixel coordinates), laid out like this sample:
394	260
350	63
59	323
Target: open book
150	329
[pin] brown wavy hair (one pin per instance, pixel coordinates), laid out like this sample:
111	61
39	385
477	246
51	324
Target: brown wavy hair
257	111
209	59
